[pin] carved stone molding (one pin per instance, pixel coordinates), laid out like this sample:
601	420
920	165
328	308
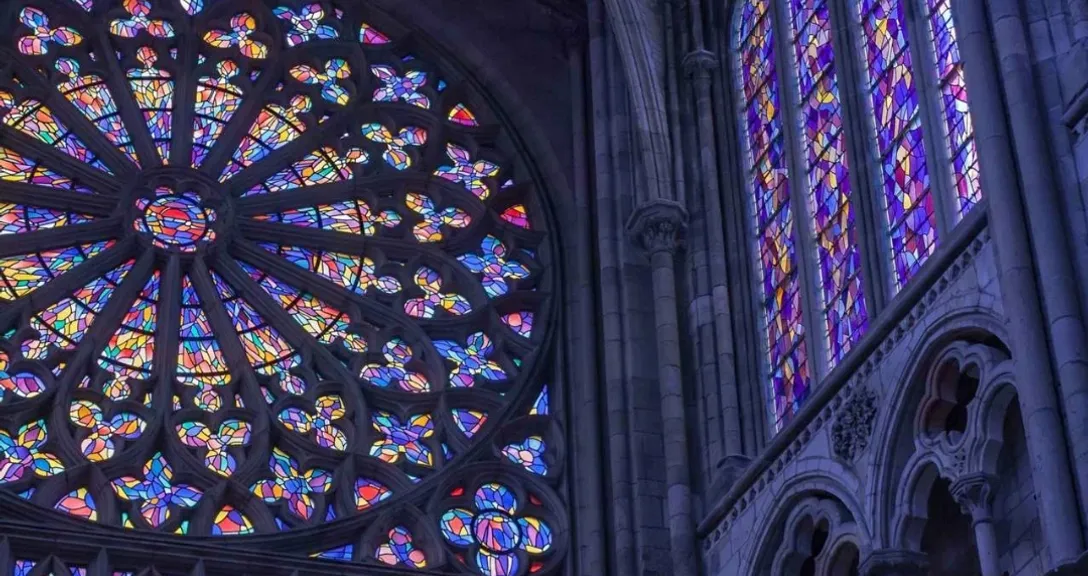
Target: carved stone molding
699	63
975	495
658	225
854	424
894	562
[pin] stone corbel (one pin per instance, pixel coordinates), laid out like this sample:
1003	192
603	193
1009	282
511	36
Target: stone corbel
658	226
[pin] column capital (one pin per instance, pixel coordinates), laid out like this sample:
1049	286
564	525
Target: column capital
975	495
894	562
699	63
658	225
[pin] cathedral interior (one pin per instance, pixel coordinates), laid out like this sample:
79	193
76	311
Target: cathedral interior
543	287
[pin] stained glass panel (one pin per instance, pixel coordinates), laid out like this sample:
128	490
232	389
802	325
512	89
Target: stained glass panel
774	226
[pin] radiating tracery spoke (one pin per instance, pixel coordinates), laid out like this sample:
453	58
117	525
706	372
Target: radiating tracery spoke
252	271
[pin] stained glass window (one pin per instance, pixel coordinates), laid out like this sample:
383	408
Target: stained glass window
829	193
263	291
816	170
775	234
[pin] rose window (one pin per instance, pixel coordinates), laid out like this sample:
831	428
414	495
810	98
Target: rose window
270	272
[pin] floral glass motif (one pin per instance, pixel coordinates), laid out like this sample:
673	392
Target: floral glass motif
470	360
395	154
467	172
400	550
327	410
495	530
291	486
157	492
403	438
430	282
334	70
494	266
229	277
42	35
395	371
305	25
99	443
433	219
216	445
396	88
242	27
138	22
529	454
23	454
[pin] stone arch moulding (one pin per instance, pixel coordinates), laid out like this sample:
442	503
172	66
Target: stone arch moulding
957	454
290	284
829	494
939	329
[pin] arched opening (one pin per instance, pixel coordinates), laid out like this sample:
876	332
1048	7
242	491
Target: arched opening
948	539
846	561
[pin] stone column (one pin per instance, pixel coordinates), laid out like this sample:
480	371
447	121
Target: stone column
1035	380
975	495
894	562
658	225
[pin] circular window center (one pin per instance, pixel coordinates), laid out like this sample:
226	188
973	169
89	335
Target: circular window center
179	221
496	531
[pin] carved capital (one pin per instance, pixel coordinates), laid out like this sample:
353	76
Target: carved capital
699	63
894	562
658	225
854	424
975	495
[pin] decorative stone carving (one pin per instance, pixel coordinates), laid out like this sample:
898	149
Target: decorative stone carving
894	562
975	495
658	225
854	424
699	63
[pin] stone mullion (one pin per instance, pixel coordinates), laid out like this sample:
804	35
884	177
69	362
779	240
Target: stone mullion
295	198
181	144
277	317
860	150
168	322
254	100
93	204
340	298
934	133
130	113
63	237
975	495
276	160
56	160
243	376
813	308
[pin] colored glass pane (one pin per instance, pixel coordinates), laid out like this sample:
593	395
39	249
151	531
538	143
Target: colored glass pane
768	181
153	90
275	126
909	208
217	100
959	129
90	95
318	167
37	121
